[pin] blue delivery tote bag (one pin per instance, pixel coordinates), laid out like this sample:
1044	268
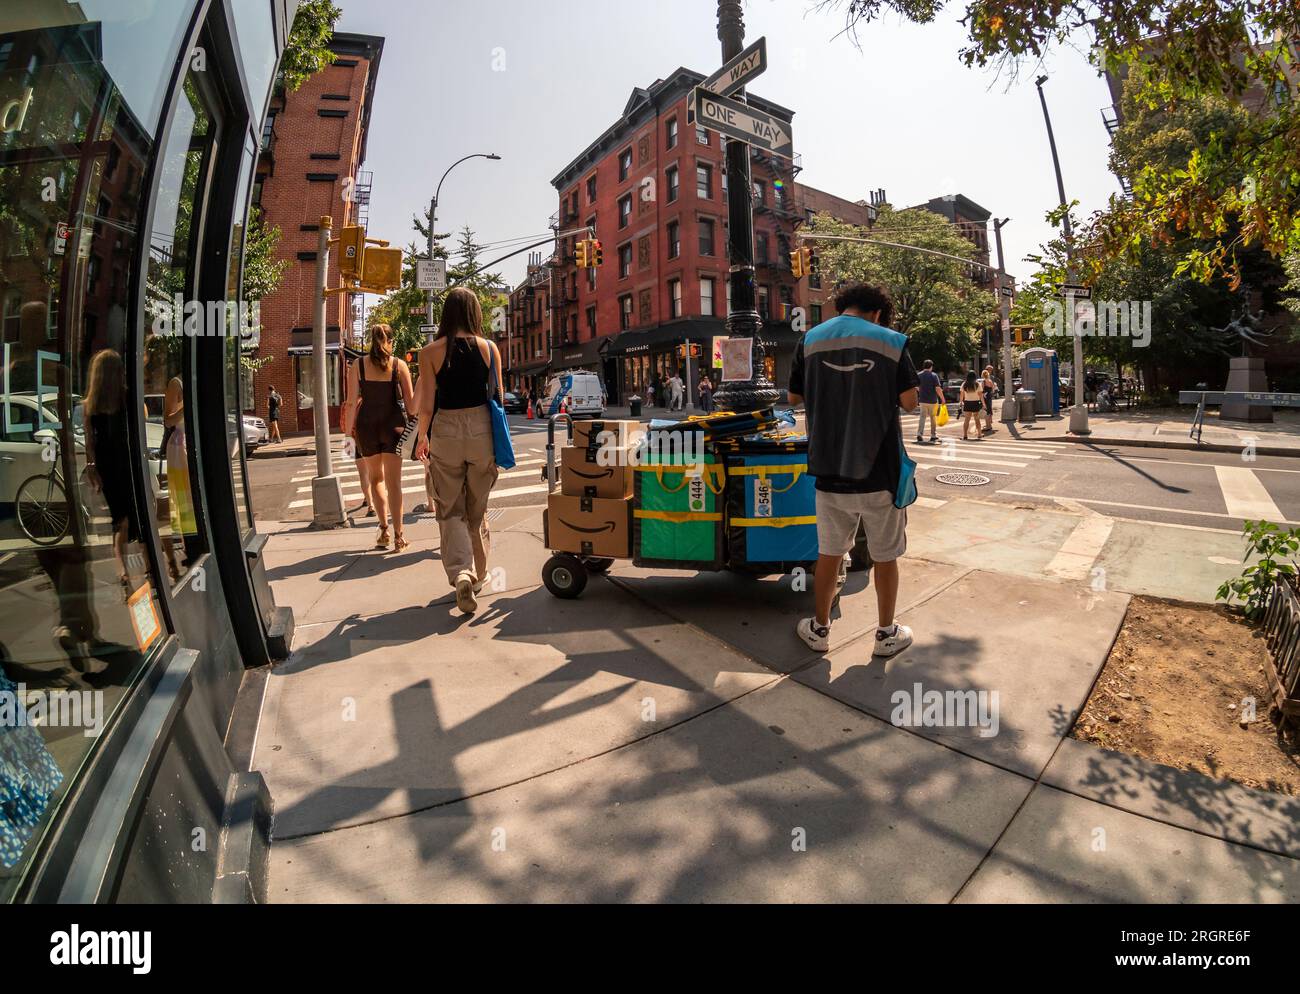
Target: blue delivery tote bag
503	449
906	492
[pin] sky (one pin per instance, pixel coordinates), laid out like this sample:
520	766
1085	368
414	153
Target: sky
536	82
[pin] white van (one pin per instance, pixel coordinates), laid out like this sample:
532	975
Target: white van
581	388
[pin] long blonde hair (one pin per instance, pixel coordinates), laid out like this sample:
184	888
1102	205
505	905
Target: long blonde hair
381	345
107	386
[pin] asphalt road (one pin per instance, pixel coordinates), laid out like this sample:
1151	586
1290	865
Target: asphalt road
1204	489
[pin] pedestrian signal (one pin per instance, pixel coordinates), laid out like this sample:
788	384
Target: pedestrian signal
352	251
381	269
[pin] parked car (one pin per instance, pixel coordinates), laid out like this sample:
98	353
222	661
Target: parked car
255	432
513	403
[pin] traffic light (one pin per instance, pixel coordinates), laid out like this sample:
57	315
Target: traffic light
801	262
595	254
381	269
584	259
352	251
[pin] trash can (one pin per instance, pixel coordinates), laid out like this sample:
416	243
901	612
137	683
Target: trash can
634	406
1026	400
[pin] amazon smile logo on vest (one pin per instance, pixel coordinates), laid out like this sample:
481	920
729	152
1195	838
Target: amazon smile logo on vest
864	364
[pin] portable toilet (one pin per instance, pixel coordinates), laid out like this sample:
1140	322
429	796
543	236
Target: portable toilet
1040	371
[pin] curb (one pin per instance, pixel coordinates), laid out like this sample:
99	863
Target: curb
1190	446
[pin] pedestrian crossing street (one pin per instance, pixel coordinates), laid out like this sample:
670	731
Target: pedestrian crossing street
995	454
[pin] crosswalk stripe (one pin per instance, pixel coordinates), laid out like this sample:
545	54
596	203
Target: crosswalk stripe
1244	495
496	494
408	472
980	460
353	487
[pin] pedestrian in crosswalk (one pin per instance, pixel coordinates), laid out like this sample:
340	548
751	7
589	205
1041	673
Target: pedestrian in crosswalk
930	392
972	405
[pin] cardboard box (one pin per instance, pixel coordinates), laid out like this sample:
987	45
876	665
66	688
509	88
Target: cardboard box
586	434
588	526
582	475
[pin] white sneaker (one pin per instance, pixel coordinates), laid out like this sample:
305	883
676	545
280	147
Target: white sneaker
465	599
892	645
817	638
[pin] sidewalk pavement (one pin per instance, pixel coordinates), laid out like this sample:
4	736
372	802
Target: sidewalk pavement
1169	428
666	737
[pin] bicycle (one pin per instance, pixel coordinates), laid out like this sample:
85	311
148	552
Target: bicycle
42	507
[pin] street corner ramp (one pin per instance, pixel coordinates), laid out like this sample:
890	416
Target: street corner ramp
758	615
999	669
1064	848
384	715
783	795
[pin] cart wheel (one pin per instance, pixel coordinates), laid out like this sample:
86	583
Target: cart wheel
564	576
598	565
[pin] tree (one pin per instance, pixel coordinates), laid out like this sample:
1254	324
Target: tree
936	303
307	52
396	307
262	270
1232	194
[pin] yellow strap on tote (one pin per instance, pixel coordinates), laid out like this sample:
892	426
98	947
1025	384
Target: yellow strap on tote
794	470
716	470
678	517
807	519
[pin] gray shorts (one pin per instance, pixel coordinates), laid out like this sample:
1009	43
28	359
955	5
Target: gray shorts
837	524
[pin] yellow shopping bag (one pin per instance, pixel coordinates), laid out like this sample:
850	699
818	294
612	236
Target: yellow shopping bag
942	418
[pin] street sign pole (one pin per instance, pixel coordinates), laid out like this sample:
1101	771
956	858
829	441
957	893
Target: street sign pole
326	491
1009	405
743	320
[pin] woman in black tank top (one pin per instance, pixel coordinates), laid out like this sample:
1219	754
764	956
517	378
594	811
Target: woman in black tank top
457	371
379	385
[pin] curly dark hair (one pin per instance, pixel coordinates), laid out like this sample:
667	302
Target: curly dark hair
865	298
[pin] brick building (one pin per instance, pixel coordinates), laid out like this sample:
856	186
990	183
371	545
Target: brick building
814	295
527	347
313	140
654	189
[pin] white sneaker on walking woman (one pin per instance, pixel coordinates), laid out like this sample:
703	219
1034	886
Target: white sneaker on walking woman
465	599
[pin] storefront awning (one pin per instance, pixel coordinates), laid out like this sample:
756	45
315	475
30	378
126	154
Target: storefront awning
583	354
646	339
307	349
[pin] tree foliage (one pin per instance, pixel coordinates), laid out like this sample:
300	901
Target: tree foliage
306	51
1232	193
262	270
936	302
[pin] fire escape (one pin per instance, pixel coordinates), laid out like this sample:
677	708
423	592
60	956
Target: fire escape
563	267
1110	118
778	173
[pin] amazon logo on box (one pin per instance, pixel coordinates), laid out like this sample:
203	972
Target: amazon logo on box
580	476
588	526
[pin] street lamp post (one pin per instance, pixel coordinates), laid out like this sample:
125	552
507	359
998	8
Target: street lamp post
1079	410
433	211
743	320
1009	412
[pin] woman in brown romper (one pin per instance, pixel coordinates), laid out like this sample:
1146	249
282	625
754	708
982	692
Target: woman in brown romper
378	385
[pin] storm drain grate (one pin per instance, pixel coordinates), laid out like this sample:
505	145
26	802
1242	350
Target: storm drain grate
963	479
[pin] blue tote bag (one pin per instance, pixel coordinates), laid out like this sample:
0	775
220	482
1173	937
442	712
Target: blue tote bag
906	492
503	449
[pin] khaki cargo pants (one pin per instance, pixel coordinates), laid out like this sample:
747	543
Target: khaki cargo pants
464	472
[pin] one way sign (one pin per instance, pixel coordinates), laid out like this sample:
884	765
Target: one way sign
742	122
735	74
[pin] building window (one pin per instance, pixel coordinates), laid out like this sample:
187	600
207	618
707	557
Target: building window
624	261
764	293
701	135
591	321
591	188
759	190
673	178
624	211
778	196
672	132
674	240
675	296
815	314
706	236
625	312
707	287
624	164
760	247
704	182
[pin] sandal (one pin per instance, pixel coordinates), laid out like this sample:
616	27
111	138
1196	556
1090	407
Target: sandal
400	543
381	540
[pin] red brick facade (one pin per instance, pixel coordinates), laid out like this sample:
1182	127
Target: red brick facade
657	201
314	140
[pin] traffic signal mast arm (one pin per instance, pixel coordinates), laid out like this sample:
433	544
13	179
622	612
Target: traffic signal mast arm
877	241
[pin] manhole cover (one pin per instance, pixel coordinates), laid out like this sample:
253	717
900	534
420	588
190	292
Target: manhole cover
963	479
